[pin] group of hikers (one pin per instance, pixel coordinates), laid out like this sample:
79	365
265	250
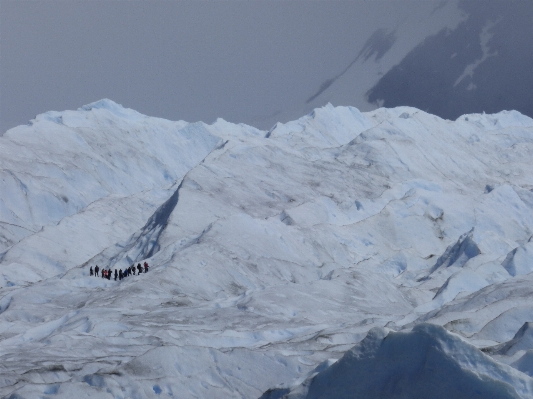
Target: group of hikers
120	274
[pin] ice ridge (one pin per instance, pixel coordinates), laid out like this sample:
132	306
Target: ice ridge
426	362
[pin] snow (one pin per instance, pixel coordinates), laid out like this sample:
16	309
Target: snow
344	248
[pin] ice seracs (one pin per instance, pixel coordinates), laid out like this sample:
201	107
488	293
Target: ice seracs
271	253
425	362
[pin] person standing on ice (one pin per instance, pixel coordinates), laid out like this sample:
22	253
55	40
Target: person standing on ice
145	267
139	269
91	271
116	274
96	270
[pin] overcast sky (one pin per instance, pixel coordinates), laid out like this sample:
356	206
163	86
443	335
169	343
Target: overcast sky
255	62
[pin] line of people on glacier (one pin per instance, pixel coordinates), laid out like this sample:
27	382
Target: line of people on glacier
107	273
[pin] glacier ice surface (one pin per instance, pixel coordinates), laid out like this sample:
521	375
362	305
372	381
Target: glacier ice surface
282	262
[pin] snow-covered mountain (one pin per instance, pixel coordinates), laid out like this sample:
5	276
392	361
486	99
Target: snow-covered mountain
393	240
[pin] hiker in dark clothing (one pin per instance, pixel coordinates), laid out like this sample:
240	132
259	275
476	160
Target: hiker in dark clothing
109	274
91	271
96	270
133	269
145	267
120	274
139	269
116	274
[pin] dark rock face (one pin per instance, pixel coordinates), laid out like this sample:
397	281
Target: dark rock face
481	66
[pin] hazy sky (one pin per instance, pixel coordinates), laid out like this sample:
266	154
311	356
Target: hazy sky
255	62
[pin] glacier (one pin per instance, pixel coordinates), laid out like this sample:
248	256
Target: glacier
342	252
